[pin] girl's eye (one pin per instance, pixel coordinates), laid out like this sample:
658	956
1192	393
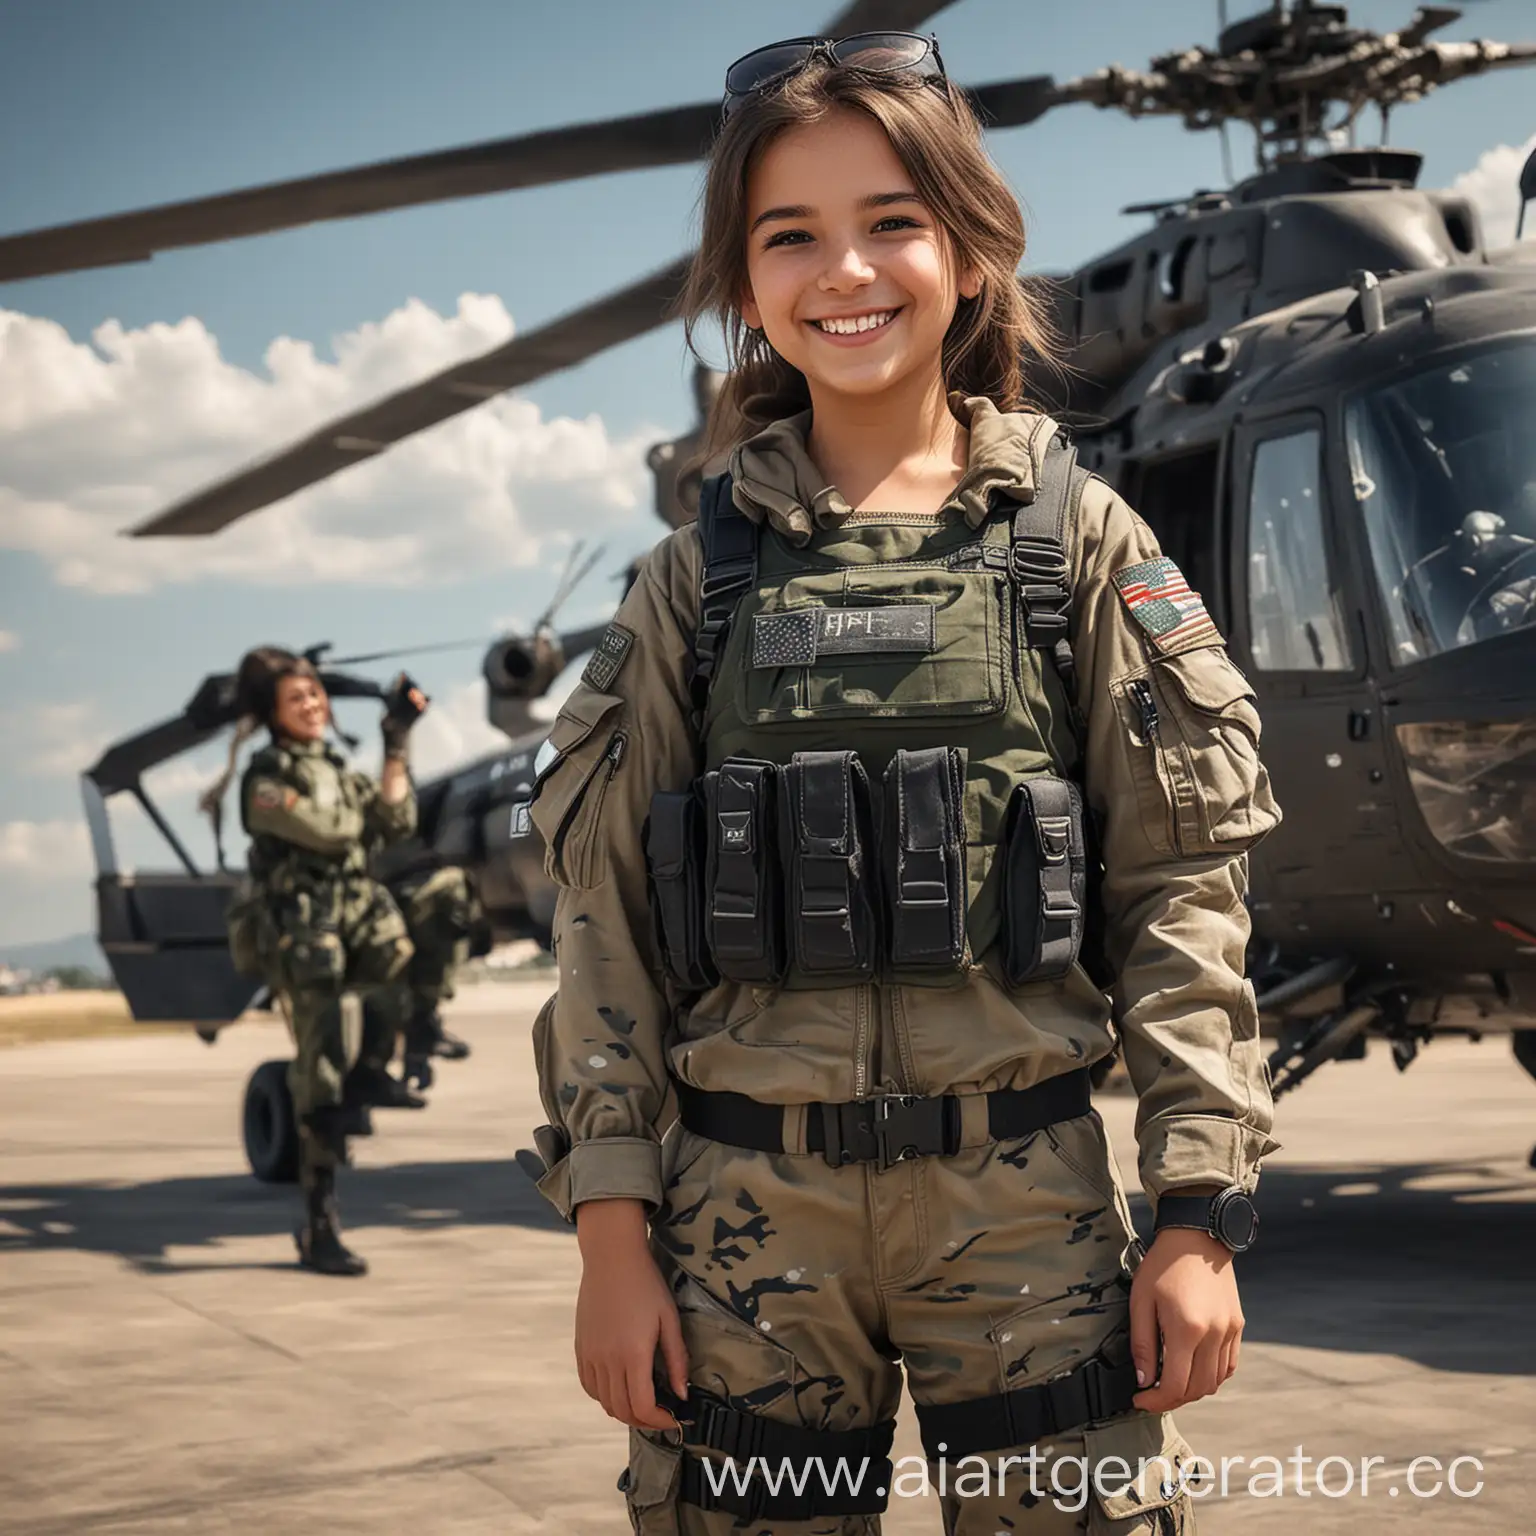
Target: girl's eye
898	221
785	237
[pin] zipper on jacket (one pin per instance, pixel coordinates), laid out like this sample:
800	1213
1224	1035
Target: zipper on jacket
1146	707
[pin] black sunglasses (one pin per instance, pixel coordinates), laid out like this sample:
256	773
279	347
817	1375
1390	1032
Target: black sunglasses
872	53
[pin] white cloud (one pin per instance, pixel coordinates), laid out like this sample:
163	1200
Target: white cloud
454	731
56	739
1493	187
9	640
95	438
45	850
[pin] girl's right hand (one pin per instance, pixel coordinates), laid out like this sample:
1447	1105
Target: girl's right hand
623	1311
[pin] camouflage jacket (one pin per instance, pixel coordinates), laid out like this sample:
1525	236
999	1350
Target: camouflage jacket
313	819
1176	816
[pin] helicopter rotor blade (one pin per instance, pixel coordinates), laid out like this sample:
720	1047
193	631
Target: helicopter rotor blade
1426	20
641	141
883	16
1013	103
671	137
560	344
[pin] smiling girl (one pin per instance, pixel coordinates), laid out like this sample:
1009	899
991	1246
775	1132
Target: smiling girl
914	730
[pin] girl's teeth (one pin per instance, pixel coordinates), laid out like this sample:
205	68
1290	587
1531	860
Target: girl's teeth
853	327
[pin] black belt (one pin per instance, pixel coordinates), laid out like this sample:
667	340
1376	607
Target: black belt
887	1129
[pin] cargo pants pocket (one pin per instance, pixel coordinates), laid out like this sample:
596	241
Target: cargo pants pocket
649	1484
1140	1473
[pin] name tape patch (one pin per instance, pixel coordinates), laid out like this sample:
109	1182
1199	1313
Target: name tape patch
608	658
1160	600
801	638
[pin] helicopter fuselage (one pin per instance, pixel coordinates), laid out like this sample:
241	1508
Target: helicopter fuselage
1295	444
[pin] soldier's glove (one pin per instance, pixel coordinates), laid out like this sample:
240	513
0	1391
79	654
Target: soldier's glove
404	705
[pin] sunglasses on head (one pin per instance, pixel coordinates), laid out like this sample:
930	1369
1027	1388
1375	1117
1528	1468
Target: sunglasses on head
871	53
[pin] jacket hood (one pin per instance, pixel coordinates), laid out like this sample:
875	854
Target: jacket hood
774	479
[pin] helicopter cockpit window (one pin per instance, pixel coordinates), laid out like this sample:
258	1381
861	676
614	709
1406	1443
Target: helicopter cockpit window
1444	470
1295	622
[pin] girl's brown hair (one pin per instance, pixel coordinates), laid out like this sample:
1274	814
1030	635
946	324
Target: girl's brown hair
260	672
937	138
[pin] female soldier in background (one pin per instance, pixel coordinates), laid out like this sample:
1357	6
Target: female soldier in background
334	932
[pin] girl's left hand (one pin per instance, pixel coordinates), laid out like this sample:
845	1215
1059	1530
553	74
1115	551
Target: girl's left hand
1184	1295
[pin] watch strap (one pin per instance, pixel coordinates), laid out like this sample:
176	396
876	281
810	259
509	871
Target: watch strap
1185	1211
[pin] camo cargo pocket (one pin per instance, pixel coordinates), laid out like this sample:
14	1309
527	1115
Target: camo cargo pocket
311	960
568	797
378	942
1192	731
251	936
650	1484
1140	1477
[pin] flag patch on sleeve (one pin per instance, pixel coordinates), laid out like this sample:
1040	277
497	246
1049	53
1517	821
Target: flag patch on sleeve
1160	600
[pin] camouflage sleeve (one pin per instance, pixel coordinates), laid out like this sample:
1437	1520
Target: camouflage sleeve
1179	794
388	823
625	733
276	808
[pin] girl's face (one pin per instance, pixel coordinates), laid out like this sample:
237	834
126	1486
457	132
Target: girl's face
303	711
850	277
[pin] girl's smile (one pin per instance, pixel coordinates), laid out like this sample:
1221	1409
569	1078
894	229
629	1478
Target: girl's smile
852	279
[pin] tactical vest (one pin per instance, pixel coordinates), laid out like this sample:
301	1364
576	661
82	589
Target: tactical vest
891	749
276	864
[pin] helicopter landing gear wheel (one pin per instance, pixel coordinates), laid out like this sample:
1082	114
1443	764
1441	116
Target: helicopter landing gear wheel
270	1126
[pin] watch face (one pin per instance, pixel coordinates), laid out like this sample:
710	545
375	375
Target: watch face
1235	1220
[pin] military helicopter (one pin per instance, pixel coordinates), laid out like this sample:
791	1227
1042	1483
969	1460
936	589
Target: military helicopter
1314	384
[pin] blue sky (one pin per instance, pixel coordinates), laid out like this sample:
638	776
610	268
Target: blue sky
106	106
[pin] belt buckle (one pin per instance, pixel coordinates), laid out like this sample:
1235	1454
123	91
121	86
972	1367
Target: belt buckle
895	1121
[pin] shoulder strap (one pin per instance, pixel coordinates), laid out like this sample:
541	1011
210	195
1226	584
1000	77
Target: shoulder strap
730	567
1039	565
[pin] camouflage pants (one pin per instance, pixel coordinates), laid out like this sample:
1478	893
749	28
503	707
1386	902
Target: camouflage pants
805	1292
439	911
339	944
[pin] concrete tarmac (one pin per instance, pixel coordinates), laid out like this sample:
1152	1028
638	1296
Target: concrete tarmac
165	1367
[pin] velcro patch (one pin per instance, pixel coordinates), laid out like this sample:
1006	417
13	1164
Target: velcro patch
801	638
608	658
269	795
1160	600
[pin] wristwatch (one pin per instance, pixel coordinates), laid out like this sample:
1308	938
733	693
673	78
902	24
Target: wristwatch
1229	1217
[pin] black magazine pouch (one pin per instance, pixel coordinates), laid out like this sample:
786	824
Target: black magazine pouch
675	859
745	921
923	840
1045	877
830	878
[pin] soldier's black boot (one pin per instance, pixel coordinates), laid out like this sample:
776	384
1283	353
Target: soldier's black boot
427	1035
319	1239
450	1047
419	1045
372	1087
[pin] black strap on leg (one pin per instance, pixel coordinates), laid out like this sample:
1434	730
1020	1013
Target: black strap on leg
1095	1390
815	1472
730	567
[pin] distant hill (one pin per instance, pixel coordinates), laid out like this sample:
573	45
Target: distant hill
77	949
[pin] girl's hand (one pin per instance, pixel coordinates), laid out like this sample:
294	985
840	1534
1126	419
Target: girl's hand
623	1311
1184	1293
